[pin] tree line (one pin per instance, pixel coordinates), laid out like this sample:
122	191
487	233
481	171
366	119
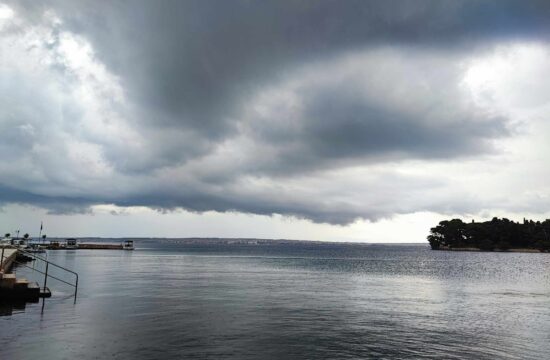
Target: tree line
497	234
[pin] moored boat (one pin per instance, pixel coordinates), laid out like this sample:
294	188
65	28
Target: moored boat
35	249
71	244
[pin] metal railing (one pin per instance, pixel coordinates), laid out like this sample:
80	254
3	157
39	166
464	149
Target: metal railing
45	273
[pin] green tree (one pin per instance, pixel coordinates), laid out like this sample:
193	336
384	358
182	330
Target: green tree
451	233
498	233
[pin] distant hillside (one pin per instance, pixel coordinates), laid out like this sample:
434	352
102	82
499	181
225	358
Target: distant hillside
497	234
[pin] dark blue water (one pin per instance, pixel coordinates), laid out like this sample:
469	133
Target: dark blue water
165	301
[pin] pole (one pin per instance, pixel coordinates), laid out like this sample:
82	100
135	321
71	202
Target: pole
46	276
2	260
76	288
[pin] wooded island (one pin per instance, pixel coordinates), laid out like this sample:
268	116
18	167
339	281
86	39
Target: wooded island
494	235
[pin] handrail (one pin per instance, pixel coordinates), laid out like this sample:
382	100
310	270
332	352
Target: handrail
45	260
46	275
53	277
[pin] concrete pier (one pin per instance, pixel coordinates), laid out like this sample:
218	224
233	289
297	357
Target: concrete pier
85	246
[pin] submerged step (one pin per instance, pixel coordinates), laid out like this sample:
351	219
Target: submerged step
33	289
20	284
7	282
45	292
20	289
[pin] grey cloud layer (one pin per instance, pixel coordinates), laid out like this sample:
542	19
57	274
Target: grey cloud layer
251	106
371	106
194	62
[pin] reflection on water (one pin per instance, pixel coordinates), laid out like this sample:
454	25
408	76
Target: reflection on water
301	302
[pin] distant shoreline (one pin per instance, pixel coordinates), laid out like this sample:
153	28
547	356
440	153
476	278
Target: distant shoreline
472	249
228	241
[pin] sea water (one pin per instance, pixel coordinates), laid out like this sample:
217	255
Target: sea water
166	300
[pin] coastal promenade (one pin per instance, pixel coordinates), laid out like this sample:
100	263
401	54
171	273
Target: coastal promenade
8	282
7	257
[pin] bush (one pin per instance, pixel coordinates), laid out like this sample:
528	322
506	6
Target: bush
486	245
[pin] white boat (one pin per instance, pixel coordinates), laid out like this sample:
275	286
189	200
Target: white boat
128	245
71	244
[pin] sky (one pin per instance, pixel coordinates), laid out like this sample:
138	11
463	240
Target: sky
365	121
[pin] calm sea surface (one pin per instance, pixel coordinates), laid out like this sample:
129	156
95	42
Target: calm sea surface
166	301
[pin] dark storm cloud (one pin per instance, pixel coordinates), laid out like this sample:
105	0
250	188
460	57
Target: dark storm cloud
55	204
193	62
193	75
